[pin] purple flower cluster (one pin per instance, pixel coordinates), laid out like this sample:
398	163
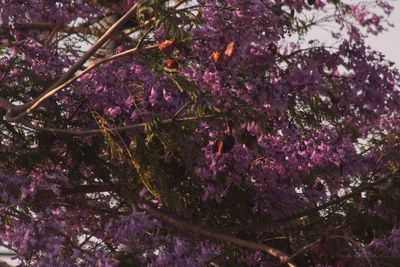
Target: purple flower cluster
389	246
234	124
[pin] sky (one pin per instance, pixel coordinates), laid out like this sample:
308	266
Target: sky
389	42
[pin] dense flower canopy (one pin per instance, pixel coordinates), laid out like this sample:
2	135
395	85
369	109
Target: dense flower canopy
192	133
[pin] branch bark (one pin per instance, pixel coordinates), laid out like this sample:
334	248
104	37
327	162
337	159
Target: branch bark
15	113
49	26
257	226
214	234
80	132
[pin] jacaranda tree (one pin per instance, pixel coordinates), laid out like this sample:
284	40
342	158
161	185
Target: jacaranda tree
192	133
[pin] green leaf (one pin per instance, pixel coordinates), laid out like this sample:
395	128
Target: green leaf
184	85
152	125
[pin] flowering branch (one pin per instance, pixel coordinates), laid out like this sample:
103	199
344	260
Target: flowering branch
15	113
169	219
257	226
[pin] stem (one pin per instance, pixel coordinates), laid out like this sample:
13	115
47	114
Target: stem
49	26
80	132
304	248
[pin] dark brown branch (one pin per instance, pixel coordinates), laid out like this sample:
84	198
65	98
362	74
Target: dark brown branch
86	189
80	132
49	26
15	113
12	109
18	112
215	234
307	212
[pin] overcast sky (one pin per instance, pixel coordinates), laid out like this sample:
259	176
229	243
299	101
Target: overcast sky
389	42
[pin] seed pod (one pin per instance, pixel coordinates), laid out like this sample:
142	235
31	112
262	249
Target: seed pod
166	46
229	50
216	56
224	144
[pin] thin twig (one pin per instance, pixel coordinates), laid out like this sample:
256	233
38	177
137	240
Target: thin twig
80	132
181	110
356	244
294	255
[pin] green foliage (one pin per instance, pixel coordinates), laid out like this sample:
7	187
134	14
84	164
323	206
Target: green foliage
107	3
150	8
184	85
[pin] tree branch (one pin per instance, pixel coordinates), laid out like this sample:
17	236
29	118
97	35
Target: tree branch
80	132
15	113
257	226
49	26
18	112
169	219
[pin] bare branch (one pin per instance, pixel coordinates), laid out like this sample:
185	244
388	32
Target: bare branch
49	26
79	132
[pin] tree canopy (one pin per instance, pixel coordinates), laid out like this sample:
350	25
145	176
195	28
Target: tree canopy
198	133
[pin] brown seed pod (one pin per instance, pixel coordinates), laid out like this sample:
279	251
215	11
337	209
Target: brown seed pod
166	46
216	56
229	50
224	144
